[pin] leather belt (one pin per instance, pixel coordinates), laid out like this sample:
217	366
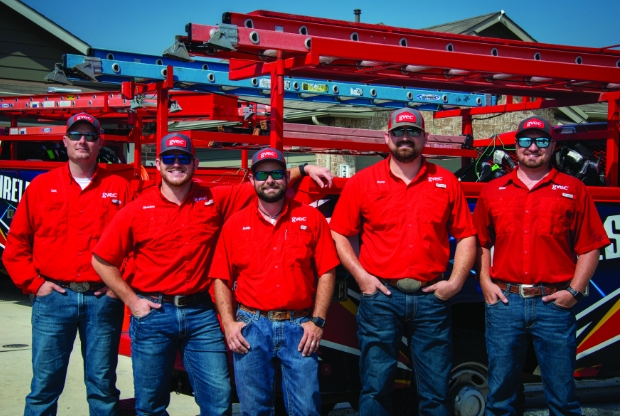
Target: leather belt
410	285
530	291
180	300
277	315
79	287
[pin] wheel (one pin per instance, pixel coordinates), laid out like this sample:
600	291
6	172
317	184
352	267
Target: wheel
468	385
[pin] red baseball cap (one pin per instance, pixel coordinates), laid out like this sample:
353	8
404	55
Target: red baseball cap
535	123
176	141
86	118
406	117
268	154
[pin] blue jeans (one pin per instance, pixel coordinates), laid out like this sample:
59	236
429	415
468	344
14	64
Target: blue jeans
195	332
552	329
425	321
273	344
56	319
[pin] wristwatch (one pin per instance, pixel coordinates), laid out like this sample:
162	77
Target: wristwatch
318	321
302	169
577	295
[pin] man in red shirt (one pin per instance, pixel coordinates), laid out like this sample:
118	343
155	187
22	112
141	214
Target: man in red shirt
273	251
170	232
547	236
59	219
403	209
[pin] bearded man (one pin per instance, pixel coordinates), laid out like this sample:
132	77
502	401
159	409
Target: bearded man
170	233
546	235
404	209
280	257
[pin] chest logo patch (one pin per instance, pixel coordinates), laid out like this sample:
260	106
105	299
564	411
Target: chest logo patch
148	206
109	195
562	187
297	219
435	178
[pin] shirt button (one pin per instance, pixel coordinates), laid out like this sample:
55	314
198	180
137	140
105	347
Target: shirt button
275	248
525	231
525	252
80	233
81	212
526	273
410	246
78	275
79	253
408	206
410	267
276	267
186	244
527	211
409	225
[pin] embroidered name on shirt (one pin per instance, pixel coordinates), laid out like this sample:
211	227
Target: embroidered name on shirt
202	198
303	227
570	196
53	190
148	206
562	187
441	185
380	181
245	228
501	188
209	202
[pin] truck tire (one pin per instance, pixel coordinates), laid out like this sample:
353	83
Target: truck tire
468	384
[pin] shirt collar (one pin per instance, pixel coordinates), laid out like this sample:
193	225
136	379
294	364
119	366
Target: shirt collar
421	173
552	176
67	173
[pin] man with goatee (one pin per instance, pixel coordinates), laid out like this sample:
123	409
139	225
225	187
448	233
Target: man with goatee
280	257
170	233
404	209
546	237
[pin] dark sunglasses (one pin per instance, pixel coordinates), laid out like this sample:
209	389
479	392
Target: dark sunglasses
541	142
169	159
89	137
263	175
411	132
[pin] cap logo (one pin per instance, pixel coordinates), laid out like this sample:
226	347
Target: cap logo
534	124
404	117
84	117
176	142
266	154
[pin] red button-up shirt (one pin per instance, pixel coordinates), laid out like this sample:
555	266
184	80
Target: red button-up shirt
57	224
537	234
275	266
403	228
171	245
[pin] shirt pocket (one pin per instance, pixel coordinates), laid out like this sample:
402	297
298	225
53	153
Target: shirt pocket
53	219
205	225
559	215
503	211
435	206
377	210
298	251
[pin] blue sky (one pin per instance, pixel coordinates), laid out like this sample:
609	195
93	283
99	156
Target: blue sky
149	26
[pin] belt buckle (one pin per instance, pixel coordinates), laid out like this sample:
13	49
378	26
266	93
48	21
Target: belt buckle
79	287
177	300
523	295
408	285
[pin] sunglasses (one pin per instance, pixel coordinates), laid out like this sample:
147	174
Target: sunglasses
263	175
170	159
411	132
541	142
89	137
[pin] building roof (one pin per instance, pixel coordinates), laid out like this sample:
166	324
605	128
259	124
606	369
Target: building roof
496	24
48	25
